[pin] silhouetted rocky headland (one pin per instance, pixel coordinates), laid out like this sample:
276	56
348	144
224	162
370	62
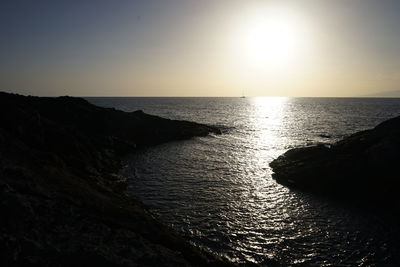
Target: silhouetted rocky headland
62	202
363	167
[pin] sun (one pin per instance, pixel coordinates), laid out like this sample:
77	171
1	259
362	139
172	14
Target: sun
270	39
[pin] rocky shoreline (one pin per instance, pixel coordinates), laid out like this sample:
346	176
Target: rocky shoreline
361	169
62	201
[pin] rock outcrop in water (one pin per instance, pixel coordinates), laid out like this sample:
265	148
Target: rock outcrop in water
62	203
363	167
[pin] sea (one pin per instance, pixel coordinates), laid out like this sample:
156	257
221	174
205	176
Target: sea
218	191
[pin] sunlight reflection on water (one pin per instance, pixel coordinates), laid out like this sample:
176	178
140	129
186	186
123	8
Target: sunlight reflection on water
218	190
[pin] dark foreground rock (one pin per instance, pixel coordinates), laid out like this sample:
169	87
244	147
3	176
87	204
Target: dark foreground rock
61	201
364	167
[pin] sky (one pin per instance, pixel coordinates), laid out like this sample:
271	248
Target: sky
293	48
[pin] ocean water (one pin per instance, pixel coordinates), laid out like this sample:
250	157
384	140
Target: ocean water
218	190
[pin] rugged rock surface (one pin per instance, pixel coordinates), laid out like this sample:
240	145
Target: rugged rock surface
363	167
61	201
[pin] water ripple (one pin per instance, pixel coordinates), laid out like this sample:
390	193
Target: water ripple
219	191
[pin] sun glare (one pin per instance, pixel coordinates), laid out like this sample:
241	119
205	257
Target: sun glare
270	39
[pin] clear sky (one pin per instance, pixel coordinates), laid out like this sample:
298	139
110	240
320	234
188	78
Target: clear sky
200	48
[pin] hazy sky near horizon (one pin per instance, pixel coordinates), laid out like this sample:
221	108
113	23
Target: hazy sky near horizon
200	48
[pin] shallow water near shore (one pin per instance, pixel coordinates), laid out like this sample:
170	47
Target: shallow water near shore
218	190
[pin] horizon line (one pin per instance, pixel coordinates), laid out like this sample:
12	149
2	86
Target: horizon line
238	96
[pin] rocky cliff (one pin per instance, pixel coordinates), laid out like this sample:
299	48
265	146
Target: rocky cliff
363	168
62	202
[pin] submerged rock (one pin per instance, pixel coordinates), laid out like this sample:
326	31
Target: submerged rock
61	202
363	167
